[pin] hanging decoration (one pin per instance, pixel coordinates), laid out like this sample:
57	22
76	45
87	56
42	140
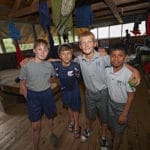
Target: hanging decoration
62	15
45	22
84	18
136	30
15	35
148	23
44	15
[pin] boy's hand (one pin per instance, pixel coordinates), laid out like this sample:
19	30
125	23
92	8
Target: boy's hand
136	77
25	61
122	118
103	53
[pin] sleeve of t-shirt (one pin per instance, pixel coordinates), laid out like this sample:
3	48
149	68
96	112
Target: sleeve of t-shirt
53	73
76	60
23	73
77	70
129	88
107	60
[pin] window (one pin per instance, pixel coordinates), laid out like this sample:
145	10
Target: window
115	31
142	28
9	46
127	26
103	32
94	31
26	46
130	26
1	50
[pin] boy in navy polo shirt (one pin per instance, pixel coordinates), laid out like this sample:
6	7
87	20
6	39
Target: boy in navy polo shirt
68	73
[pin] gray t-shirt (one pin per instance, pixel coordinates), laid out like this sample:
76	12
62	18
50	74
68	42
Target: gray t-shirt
93	71
37	75
118	85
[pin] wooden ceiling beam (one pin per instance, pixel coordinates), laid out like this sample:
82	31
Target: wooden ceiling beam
16	4
144	6
135	12
27	10
5	3
113	8
122	2
138	6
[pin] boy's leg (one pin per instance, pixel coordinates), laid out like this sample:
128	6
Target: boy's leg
77	129
76	119
102	105
71	116
36	127
71	120
50	126
104	130
117	141
52	136
91	111
89	124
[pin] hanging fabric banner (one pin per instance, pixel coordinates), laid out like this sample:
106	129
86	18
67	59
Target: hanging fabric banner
15	35
44	15
84	18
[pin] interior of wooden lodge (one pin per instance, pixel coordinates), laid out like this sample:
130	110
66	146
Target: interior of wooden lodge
59	22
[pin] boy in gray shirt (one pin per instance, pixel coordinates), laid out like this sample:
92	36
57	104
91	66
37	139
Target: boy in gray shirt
35	86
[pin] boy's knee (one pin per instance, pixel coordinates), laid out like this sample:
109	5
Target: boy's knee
36	127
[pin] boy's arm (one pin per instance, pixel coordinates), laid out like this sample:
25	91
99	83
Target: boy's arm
123	115
135	74
23	88
25	61
53	59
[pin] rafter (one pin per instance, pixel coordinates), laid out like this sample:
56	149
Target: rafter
27	10
113	8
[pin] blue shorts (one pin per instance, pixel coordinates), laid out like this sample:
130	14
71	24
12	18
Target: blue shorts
96	104
72	99
39	103
114	111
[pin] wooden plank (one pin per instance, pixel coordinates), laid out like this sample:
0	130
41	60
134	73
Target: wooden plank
15	128
113	8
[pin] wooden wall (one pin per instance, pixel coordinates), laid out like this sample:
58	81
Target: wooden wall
8	60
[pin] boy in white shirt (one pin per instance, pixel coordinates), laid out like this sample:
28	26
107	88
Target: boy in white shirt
121	93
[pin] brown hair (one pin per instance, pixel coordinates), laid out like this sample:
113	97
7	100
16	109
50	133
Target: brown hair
64	47
40	41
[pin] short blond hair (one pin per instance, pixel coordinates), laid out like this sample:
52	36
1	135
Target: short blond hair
87	33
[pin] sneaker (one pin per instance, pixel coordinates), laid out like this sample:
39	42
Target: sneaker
86	133
53	139
110	144
104	143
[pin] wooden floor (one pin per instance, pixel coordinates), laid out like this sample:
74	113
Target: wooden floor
15	129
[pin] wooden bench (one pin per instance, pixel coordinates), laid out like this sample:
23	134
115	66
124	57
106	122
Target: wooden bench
9	85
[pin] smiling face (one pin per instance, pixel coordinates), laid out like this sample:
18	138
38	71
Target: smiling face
117	58
87	44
